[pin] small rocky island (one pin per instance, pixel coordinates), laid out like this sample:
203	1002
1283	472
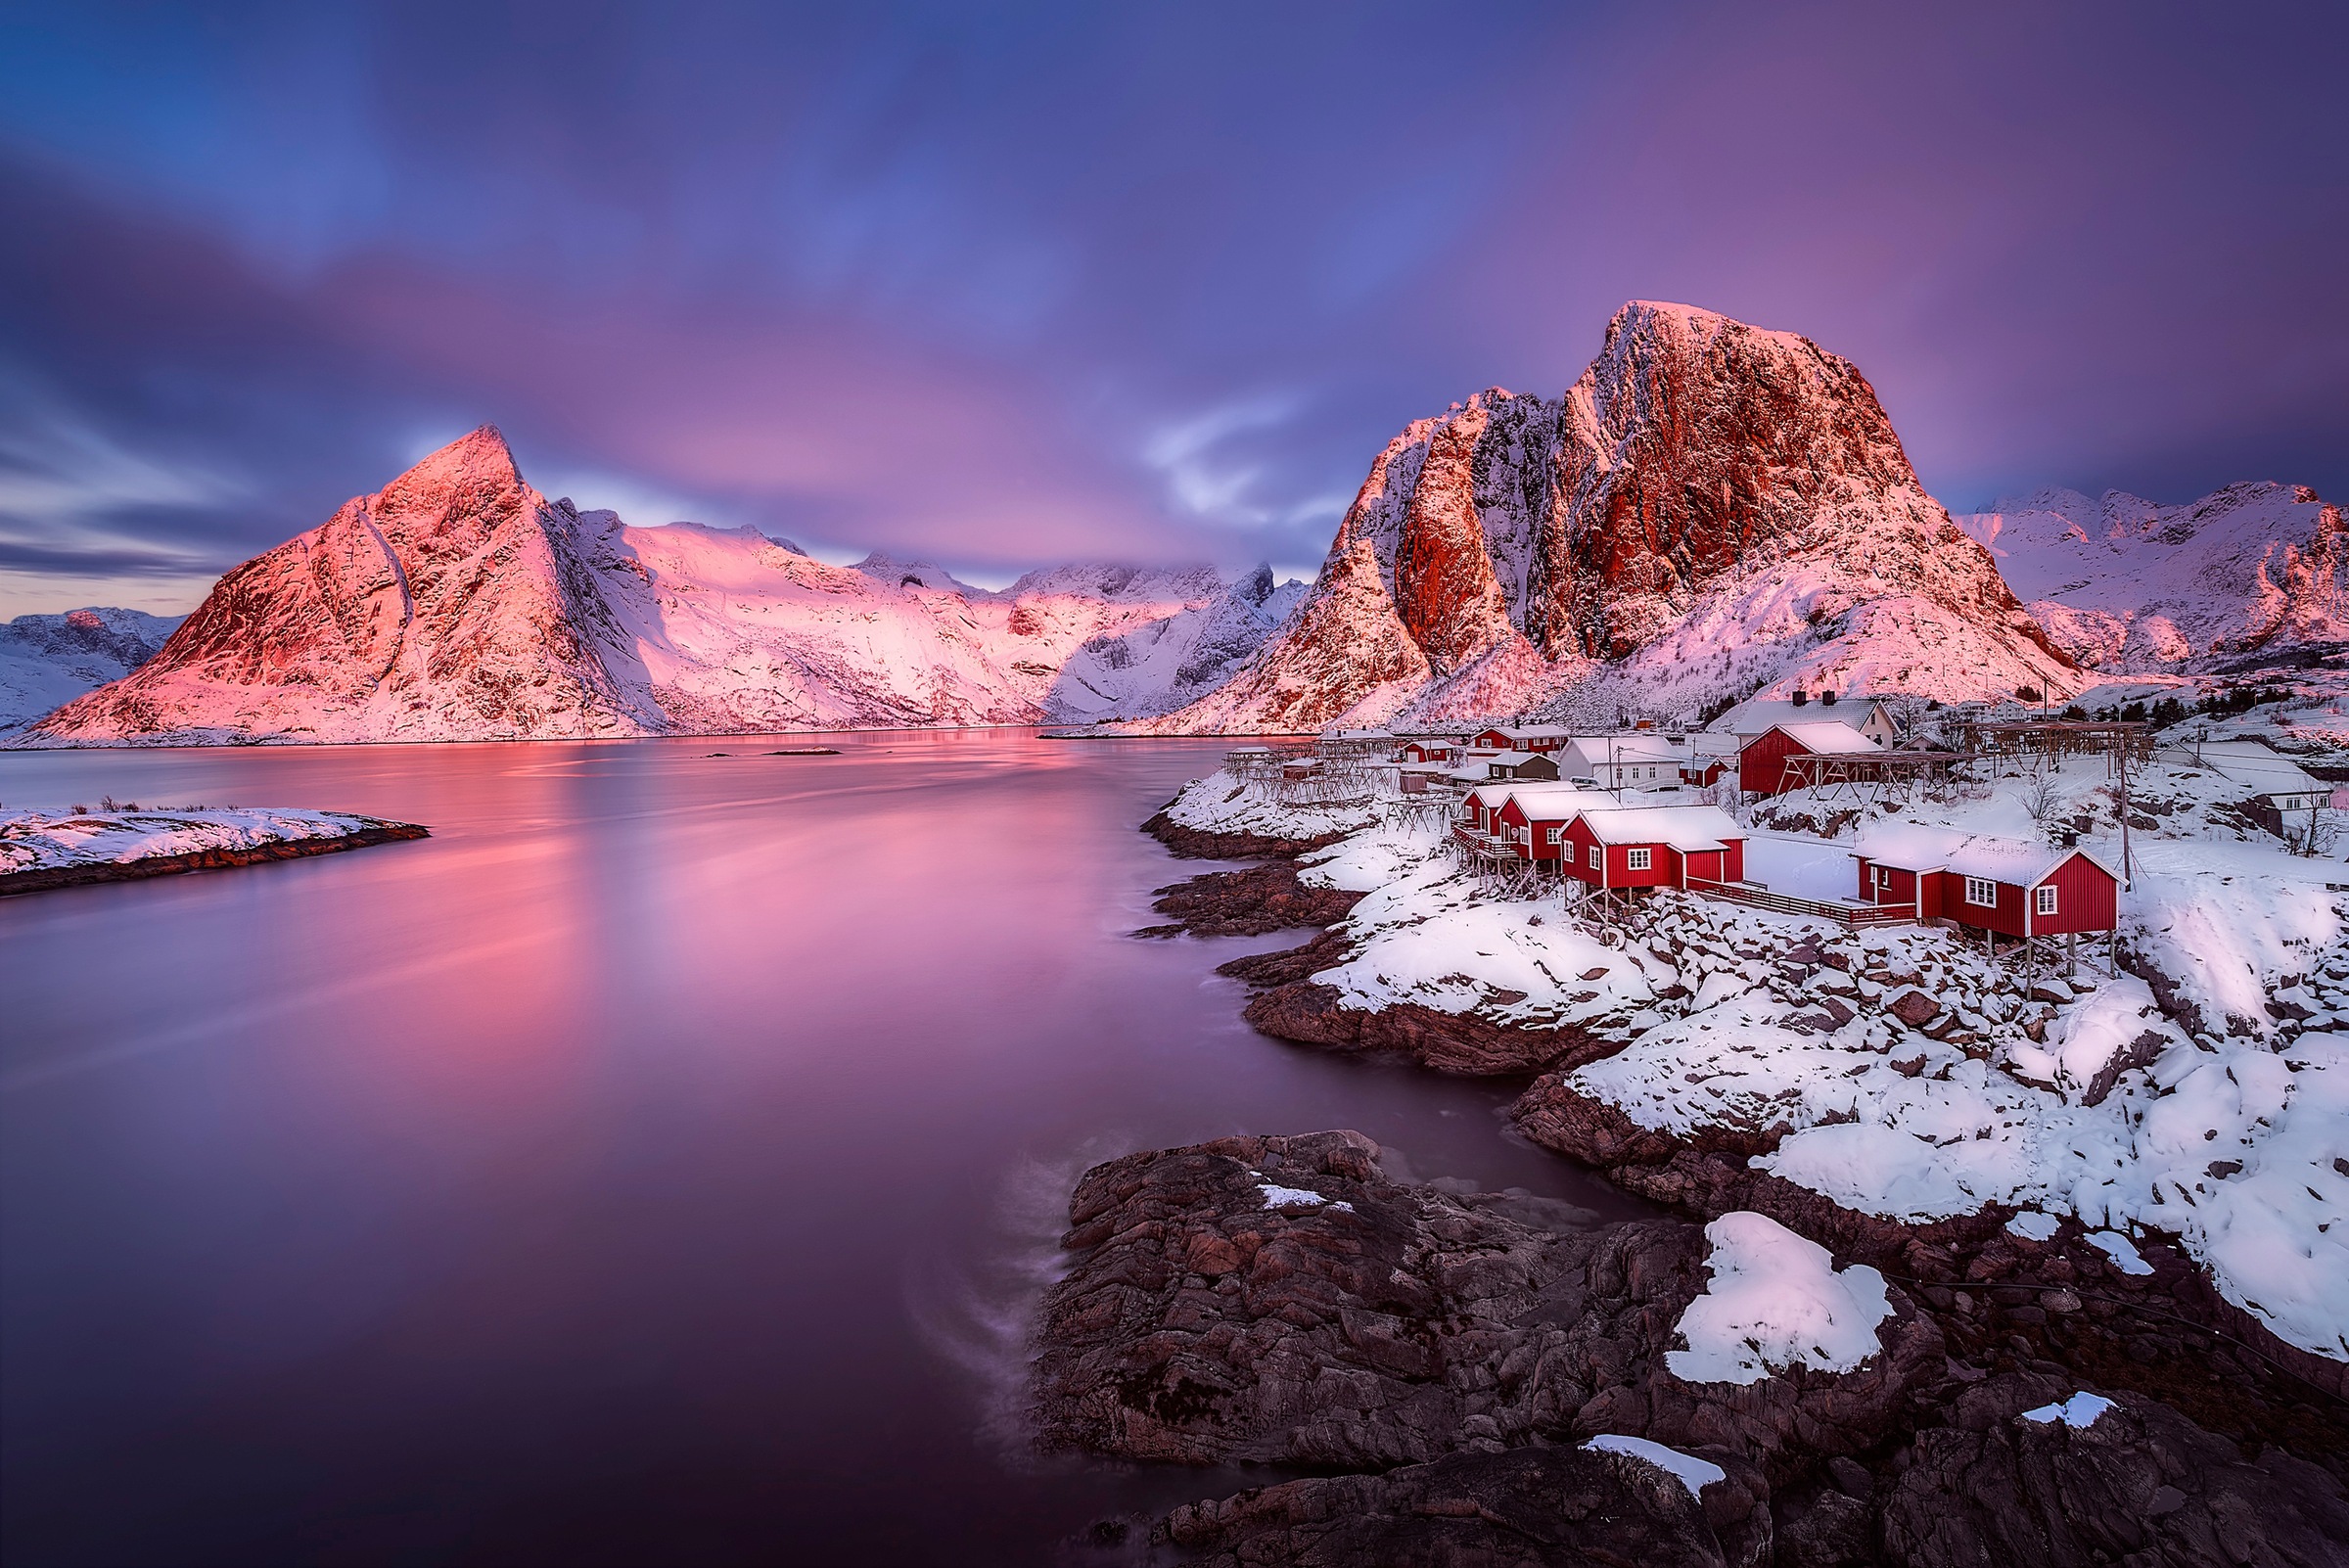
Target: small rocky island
122	843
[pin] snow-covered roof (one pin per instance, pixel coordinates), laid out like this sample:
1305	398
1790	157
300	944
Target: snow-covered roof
1914	846
1756	715
1543	800
2254	765
1636	747
1684	827
1828	738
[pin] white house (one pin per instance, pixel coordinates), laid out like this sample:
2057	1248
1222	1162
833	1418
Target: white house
1633	759
2258	769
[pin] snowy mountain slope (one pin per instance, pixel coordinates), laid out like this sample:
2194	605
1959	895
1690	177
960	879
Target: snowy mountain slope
2125	585
460	604
1167	662
49	659
1709	510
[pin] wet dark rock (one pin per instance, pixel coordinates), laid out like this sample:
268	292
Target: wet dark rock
1527	1507
1391	1324
1311	1014
2142	1484
1248	904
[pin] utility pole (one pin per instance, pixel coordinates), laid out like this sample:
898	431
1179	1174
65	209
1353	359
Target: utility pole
2128	876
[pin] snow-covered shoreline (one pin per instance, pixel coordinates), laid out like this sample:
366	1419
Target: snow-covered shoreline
42	850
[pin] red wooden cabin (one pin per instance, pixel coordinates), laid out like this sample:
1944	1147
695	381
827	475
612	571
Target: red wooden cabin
1762	762
1522	737
1653	846
2012	886
1528	815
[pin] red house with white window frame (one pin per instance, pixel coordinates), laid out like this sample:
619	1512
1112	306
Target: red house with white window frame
1522	737
1431	751
2010	887
1527	814
1652	846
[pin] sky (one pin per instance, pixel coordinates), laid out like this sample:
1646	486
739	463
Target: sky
1002	286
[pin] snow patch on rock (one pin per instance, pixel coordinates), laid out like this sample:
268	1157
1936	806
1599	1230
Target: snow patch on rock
1775	1301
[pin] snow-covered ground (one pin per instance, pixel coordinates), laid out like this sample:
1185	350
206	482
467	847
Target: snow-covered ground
46	840
2222	1122
1222	804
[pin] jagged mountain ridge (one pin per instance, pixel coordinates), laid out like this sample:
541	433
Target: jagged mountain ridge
46	659
460	604
2125	585
1710	510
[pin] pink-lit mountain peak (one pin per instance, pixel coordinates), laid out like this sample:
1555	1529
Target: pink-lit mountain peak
477	464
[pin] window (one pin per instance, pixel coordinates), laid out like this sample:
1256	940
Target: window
1982	891
2044	900
1884	878
1549	836
1638	859
1593	853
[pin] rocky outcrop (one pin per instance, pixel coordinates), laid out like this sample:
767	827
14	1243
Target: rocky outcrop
2138	1483
1521	1508
1711	509
1247	903
1280	1300
1458	1043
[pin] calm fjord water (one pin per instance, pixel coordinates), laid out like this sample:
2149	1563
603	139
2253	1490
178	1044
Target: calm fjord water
658	1164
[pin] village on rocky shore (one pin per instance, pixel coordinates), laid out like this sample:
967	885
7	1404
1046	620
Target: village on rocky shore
1997	1223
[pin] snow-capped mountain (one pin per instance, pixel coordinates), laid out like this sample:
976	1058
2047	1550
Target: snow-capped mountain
460	604
1710	511
2124	584
48	660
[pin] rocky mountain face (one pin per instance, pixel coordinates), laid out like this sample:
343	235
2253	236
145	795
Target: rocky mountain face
460	604
1710	510
48	660
2124	584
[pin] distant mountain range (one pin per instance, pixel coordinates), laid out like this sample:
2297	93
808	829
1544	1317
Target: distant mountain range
1711	512
2125	585
48	660
458	603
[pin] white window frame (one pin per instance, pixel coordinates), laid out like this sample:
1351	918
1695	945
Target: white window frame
2042	899
1883	879
1981	893
1641	859
1549	836
1596	857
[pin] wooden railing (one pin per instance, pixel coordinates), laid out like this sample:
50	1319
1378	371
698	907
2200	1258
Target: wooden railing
1848	915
